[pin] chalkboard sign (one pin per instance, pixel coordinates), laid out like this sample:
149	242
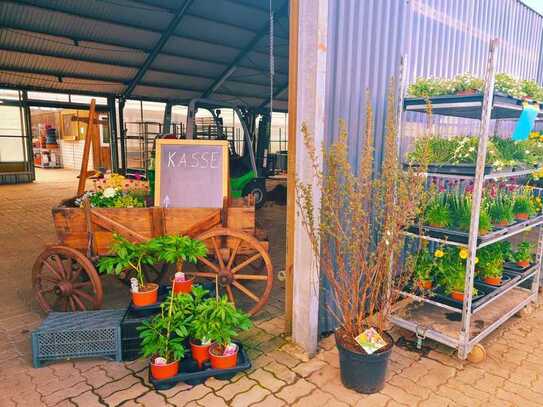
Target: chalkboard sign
191	173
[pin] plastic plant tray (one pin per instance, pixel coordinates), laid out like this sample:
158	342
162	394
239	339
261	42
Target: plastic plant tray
506	279
190	374
476	301
512	267
451	169
149	310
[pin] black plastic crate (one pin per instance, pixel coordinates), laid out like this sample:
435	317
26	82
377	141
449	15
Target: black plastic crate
190	374
129	333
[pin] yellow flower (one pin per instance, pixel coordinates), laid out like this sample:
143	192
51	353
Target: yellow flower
464	254
439	253
476	259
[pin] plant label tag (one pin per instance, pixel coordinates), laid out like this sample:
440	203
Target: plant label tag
230	349
370	340
134	286
179	277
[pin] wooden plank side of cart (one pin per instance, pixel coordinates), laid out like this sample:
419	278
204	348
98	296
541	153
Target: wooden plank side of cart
133	223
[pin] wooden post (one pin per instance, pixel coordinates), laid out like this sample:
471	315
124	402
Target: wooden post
89	136
291	170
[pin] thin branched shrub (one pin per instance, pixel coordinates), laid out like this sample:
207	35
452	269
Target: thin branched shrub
358	238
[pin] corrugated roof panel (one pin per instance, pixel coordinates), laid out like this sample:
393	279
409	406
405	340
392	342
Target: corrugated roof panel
57	23
11	39
185	81
62	66
48	83
188	65
161	93
231	12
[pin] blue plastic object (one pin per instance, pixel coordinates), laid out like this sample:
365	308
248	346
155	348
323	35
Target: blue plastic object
67	335
526	122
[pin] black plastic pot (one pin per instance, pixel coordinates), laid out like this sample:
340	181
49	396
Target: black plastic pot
361	372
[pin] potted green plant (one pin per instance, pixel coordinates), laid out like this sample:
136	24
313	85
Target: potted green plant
436	213
162	337
176	249
424	264
460	209
491	260
217	321
451	271
523	206
357	237
524	254
500	209
467	84
132	256
200	340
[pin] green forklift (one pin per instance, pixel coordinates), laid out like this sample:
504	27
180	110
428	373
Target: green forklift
247	160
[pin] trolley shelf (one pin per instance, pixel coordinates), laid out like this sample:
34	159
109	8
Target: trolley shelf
478	305
444	326
435	172
468	107
457	238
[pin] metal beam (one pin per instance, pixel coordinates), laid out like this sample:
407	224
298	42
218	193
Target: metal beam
157	48
276	94
248	48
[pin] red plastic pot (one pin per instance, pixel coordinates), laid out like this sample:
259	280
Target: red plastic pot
435	225
221	362
457	295
523	263
425	284
521	216
200	353
184	287
147	295
161	372
493	280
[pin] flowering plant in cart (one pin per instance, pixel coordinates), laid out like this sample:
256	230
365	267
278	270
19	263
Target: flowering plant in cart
218	321
132	256
491	261
424	266
451	271
523	206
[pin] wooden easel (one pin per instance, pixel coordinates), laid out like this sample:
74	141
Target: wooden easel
92	137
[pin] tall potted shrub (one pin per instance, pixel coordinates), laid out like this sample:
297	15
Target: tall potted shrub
132	256
357	240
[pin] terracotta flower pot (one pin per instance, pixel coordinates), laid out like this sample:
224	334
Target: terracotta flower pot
222	362
184	287
493	280
424	284
147	295
521	216
437	225
161	372
523	263
502	223
200	353
457	295
467	92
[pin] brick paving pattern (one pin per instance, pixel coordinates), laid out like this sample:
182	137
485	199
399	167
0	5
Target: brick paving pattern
512	375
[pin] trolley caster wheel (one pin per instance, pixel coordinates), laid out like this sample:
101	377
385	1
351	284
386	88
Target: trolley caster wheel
526	311
477	354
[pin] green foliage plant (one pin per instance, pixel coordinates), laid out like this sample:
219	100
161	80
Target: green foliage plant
165	333
424	265
438	150
460	209
524	252
500	208
176	249
128	256
524	202
218	321
436	212
491	260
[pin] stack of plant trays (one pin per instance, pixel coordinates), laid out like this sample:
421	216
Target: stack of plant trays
463	325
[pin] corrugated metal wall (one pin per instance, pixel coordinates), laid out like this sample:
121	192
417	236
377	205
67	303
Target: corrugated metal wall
439	37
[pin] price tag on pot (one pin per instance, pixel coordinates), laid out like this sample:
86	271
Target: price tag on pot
370	340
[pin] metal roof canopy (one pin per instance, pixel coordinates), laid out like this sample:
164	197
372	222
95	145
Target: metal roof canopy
163	50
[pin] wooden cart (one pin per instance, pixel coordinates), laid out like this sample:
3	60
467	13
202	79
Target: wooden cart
64	276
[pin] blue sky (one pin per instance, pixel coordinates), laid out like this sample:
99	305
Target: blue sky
537	5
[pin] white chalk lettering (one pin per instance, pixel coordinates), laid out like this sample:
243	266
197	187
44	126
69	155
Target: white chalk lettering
205	160
171	155
183	161
195	161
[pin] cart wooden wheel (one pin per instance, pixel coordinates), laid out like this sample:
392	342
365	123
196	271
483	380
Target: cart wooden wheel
64	279
228	263
477	354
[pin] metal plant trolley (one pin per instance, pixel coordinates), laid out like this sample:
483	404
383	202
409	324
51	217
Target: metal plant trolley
464	328
64	276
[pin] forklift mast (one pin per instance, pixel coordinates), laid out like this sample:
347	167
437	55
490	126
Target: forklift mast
263	144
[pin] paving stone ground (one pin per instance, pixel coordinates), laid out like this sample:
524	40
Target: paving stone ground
512	375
